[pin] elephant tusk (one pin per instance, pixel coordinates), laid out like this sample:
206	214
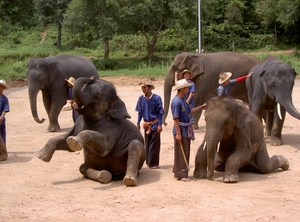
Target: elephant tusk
278	111
204	145
218	147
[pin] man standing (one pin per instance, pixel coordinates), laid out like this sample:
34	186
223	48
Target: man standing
75	113
182	130
150	109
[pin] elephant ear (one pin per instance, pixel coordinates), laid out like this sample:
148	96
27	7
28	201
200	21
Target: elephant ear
118	110
242	117
264	81
193	62
53	71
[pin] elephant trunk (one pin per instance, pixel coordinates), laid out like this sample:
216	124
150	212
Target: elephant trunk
81	95
211	152
289	107
33	92
213	139
169	83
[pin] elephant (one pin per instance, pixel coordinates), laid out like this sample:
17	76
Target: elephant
48	75
269	90
113	147
233	142
3	150
206	68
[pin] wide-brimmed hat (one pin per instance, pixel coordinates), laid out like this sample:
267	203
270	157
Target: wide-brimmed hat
147	82
3	83
71	80
186	71
182	83
224	76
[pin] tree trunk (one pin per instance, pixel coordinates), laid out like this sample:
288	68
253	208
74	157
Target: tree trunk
58	42
151	46
106	49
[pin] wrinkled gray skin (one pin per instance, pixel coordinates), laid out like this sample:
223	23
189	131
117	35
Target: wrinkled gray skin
112	145
272	82
3	150
242	145
48	75
206	68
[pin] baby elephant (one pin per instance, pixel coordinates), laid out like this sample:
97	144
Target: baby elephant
234	141
113	147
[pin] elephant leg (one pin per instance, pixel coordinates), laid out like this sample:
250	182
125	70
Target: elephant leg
197	116
201	163
265	164
53	120
240	155
53	144
275	139
102	176
135	161
53	110
269	122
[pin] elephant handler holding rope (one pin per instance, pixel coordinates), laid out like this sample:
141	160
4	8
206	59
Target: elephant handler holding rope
182	130
150	108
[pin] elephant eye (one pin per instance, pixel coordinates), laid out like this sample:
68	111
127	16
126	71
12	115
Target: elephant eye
273	86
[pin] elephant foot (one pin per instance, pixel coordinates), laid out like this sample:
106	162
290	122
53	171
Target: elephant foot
199	174
231	179
275	141
53	128
74	144
286	166
130	181
104	176
43	155
3	157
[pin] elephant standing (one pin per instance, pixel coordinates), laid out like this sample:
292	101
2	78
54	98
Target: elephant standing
113	147
272	83
206	68
234	141
48	75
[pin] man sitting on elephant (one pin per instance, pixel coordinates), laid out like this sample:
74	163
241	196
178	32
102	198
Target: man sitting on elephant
113	146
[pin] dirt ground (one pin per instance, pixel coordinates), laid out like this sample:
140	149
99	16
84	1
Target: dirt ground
32	190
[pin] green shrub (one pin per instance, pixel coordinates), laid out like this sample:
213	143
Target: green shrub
105	64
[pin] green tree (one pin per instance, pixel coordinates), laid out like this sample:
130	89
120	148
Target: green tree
52	12
150	17
17	12
90	20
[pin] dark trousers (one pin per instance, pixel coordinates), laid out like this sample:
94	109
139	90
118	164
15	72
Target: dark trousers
152	143
3	131
180	168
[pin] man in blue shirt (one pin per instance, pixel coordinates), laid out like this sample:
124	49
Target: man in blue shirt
4	108
225	82
150	109
182	130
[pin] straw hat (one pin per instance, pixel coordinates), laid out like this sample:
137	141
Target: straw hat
182	83
3	83
186	71
147	82
71	80
224	76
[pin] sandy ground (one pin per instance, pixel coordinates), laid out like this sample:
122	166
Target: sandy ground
32	190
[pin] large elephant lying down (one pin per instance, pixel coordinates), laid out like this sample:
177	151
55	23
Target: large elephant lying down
242	147
113	147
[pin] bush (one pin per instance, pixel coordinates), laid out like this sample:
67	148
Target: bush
105	64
